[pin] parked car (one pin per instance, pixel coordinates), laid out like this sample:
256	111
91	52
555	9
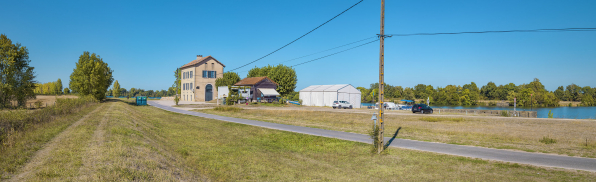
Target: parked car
422	108
341	104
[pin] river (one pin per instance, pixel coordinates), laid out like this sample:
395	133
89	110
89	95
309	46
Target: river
558	112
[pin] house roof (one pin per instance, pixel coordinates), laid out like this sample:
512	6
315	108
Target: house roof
201	60
252	81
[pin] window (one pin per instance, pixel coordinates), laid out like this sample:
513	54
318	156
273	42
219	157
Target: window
204	74
190	86
212	74
190	74
212	66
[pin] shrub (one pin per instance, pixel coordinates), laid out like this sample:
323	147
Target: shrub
38	104
437	119
374	135
492	103
300	101
505	113
570	105
547	140
550	114
227	109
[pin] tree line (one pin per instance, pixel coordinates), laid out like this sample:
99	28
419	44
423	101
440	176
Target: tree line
133	92
529	94
50	88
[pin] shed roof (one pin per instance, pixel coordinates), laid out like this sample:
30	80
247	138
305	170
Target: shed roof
328	88
252	81
201	60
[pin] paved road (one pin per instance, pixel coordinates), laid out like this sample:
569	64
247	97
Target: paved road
538	159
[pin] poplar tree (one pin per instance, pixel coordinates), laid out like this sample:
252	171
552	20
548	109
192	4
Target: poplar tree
58	87
116	89
91	76
16	76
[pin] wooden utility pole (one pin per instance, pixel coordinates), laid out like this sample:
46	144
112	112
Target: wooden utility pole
381	78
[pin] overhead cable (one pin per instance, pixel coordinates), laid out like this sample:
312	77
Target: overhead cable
501	31
300	36
335	53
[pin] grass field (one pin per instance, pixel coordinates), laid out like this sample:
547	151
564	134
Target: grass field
116	141
572	137
48	100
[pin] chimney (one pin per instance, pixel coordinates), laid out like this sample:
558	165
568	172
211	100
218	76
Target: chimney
199	56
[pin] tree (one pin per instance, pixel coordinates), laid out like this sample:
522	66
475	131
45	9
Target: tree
91	76
176	85
16	76
66	91
408	93
490	91
58	86
228	79
420	91
283	75
116	89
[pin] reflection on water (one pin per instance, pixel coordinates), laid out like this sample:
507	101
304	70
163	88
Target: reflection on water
558	112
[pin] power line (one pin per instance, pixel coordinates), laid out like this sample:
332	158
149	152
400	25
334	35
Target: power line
300	36
329	49
500	31
321	51
335	53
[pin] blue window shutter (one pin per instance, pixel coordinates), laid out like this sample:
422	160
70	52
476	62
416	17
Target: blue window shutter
214	74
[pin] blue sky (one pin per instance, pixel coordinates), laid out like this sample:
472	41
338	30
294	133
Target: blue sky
145	41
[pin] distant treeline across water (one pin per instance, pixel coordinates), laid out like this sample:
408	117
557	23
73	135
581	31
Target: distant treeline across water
531	94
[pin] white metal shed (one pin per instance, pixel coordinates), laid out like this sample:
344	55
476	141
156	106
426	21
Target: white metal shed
324	95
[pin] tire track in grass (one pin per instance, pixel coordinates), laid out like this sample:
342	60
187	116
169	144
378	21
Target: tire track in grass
44	153
94	151
168	161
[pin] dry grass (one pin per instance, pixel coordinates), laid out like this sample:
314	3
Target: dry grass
501	133
46	100
121	142
566	103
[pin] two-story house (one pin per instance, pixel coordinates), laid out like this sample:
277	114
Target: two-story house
198	79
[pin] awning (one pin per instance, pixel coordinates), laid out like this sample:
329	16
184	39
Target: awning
268	92
407	100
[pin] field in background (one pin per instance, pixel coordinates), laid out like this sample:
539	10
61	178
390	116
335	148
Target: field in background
571	137
48	100
119	141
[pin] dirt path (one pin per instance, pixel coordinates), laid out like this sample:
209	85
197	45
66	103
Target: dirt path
94	151
44	153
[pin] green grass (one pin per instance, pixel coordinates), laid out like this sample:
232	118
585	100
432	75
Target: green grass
438	119
122	142
24	143
227	109
547	140
513	133
236	152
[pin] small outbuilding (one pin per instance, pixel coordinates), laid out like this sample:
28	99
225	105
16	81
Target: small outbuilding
324	95
261	88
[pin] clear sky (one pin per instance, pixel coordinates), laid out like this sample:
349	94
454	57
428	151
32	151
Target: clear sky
145	41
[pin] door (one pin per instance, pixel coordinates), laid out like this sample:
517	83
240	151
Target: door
208	92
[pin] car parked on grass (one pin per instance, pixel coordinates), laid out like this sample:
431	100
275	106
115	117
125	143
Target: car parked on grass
341	104
422	108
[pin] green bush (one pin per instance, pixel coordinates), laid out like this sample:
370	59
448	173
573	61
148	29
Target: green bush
227	109
505	113
437	119
547	140
374	135
550	114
